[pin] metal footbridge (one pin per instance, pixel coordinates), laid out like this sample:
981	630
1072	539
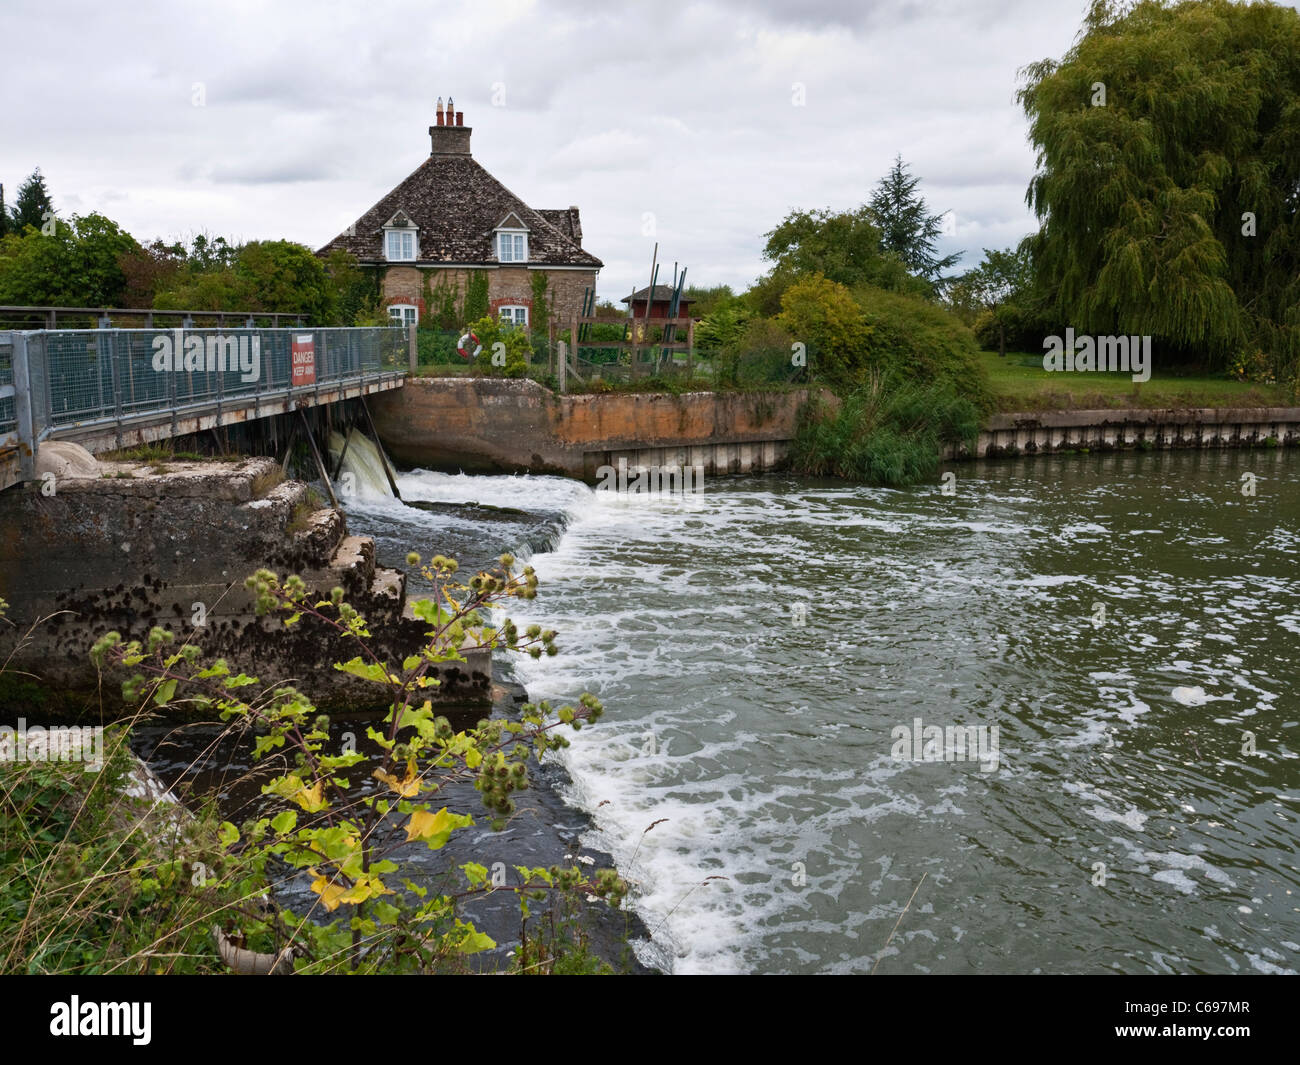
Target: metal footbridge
110	388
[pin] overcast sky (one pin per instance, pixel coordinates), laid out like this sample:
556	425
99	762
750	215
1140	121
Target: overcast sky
699	125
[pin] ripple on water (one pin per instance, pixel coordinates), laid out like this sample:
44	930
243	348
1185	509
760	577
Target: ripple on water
1124	827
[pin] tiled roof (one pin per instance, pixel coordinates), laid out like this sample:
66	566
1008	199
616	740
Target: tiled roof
566	221
662	292
456	204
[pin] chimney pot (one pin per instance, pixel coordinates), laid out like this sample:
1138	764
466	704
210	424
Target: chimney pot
450	136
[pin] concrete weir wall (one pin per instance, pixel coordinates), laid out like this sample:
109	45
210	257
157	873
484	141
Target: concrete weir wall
486	425
490	425
1107	430
127	547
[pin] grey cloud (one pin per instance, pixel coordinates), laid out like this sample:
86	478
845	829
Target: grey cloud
679	108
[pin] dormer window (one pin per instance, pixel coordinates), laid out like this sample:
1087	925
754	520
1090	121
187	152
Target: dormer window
401	239
512	247
400	245
512	240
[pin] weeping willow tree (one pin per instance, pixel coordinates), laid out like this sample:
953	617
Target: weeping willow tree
1168	178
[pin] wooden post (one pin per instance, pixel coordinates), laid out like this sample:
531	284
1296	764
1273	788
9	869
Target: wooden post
415	346
649	298
320	463
573	345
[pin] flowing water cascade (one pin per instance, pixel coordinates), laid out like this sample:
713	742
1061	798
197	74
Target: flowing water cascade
1049	721
362	473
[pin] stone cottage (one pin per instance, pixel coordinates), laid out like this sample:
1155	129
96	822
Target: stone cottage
451	218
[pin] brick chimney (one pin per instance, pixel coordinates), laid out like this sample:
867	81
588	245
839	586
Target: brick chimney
450	136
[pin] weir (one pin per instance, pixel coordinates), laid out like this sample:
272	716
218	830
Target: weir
354	455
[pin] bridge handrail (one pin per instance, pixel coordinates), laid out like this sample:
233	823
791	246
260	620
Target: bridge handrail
50	315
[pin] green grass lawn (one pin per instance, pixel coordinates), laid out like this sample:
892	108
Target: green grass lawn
1021	384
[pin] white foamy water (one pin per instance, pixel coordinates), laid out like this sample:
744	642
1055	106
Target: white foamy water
755	647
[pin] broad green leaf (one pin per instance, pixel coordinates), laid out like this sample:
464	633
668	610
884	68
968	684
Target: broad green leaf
285	822
476	941
365	670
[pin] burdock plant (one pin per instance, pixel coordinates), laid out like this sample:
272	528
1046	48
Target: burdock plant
343	835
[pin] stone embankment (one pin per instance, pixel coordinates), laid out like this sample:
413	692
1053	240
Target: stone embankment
94	547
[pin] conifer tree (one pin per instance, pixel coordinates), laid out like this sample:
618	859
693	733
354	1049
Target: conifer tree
906	226
32	203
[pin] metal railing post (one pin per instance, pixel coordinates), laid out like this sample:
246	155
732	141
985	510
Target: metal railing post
174	373
117	386
26	427
219	370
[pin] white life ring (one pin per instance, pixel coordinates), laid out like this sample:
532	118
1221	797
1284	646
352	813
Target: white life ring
461	344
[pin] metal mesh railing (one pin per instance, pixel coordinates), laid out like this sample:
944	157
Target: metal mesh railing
82	376
8	411
598	367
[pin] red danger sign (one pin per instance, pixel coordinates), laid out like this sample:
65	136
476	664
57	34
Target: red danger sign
303	361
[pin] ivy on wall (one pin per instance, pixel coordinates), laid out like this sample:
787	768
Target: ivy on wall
440	304
476	297
541	315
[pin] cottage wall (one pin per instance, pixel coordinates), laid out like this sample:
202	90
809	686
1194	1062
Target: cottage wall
511	285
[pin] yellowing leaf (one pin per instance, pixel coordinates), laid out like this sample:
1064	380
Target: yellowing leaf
435	828
366	887
408	787
310	799
330	894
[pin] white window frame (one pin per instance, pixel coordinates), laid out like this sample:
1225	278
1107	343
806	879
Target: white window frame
401	231
408	314
514	309
514	240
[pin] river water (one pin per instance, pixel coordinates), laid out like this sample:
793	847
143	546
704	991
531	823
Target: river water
1121	633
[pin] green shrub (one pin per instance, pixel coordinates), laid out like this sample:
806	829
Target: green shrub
914	340
518	348
438	348
760	354
1020	329
823	315
723	327
889	432
337	829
